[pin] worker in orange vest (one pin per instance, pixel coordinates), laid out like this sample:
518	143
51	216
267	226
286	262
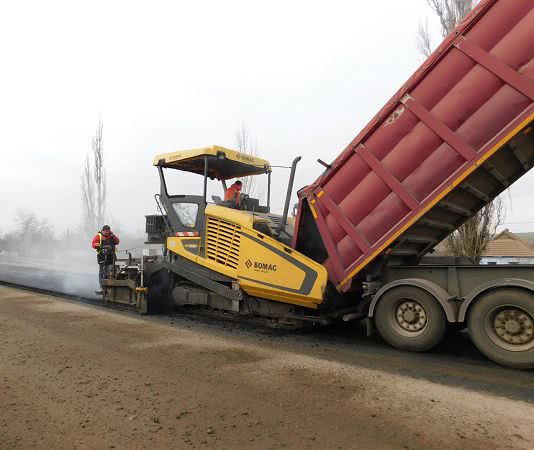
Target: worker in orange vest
104	243
233	194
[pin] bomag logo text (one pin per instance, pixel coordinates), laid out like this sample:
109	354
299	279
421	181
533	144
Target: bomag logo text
245	157
264	266
260	266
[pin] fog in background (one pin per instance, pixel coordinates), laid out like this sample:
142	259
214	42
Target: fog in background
304	76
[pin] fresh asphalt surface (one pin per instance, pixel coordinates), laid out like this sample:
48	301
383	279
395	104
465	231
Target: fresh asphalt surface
72	283
456	362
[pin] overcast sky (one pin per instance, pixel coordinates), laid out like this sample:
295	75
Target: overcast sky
305	76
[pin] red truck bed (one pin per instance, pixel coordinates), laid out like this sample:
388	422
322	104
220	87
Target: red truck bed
449	141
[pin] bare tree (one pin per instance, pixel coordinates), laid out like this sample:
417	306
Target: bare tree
88	197
450	13
31	230
99	174
472	238
422	40
94	186
244	144
29	224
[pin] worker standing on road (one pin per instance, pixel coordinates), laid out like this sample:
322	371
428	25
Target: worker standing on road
104	243
233	194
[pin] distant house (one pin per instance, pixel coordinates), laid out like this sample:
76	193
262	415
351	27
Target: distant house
508	248
527	237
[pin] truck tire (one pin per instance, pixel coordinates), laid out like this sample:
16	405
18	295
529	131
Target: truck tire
501	325
410	318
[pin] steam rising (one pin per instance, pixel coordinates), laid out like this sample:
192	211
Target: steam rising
33	257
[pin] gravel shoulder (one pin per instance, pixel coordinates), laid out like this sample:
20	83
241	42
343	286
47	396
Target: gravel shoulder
76	376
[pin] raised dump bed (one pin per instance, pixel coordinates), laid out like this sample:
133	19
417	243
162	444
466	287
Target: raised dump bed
456	135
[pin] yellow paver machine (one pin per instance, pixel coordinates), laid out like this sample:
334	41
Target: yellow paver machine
229	257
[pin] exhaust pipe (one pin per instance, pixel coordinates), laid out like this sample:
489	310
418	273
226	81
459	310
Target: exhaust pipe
288	196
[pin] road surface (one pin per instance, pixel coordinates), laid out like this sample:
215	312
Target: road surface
45	275
79	376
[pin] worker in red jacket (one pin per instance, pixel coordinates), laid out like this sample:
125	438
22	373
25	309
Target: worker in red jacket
104	243
233	194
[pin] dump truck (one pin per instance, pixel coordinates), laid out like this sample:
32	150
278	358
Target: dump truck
456	135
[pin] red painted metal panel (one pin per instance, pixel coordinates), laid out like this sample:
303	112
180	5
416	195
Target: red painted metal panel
395	185
348	227
470	93
336	266
442	130
490	62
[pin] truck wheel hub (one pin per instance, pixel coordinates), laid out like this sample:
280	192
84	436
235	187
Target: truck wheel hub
513	329
411	316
